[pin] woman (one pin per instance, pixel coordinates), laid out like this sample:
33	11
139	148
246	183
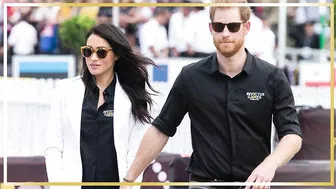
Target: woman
99	118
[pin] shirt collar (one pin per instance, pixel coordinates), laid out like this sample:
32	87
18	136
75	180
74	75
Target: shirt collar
110	87
247	66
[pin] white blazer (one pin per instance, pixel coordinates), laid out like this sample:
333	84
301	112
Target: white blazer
62	155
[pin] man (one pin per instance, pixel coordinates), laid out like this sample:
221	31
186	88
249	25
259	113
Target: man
153	35
231	98
179	22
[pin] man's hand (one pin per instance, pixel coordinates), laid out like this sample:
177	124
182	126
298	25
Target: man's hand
126	181
263	173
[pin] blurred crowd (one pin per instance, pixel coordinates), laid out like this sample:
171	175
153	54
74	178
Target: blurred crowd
156	32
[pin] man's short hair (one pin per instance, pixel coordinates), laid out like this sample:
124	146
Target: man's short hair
245	12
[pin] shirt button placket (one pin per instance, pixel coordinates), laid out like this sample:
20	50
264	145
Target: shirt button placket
104	94
232	129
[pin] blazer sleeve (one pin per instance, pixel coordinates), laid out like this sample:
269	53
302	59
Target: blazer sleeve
54	139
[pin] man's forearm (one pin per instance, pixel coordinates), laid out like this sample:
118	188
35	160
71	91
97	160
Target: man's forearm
288	146
150	147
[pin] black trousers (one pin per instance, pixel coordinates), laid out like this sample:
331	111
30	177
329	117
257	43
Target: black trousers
194	178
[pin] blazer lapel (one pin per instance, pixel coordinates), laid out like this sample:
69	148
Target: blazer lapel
121	120
122	106
75	106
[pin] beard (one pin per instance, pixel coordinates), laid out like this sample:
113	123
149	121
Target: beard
228	49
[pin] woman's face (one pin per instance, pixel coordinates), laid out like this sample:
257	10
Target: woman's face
98	55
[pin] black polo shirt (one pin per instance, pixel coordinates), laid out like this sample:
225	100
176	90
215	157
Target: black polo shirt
231	118
99	158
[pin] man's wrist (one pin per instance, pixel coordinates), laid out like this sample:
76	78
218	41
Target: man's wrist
272	161
127	180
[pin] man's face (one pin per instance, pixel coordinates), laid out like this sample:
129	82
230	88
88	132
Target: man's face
186	11
228	42
163	18
309	30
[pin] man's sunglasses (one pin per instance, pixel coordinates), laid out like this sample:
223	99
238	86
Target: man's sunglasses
101	52
232	27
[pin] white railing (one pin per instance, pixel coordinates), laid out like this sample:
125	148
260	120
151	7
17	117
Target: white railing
28	111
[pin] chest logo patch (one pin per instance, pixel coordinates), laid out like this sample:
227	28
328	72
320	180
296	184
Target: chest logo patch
255	95
108	113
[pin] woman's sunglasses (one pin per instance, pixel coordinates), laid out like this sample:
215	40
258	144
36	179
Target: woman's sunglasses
232	27
101	52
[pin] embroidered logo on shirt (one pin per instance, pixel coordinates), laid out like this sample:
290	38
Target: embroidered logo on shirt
108	113
254	95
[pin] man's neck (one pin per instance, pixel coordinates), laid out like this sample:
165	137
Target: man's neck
233	65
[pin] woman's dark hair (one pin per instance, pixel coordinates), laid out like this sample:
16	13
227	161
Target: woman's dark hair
130	68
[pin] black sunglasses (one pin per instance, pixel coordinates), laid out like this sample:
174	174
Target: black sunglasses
101	52
232	27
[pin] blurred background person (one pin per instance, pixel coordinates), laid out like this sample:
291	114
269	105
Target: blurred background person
199	38
105	14
135	17
23	43
153	35
178	31
254	37
268	46
309	37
